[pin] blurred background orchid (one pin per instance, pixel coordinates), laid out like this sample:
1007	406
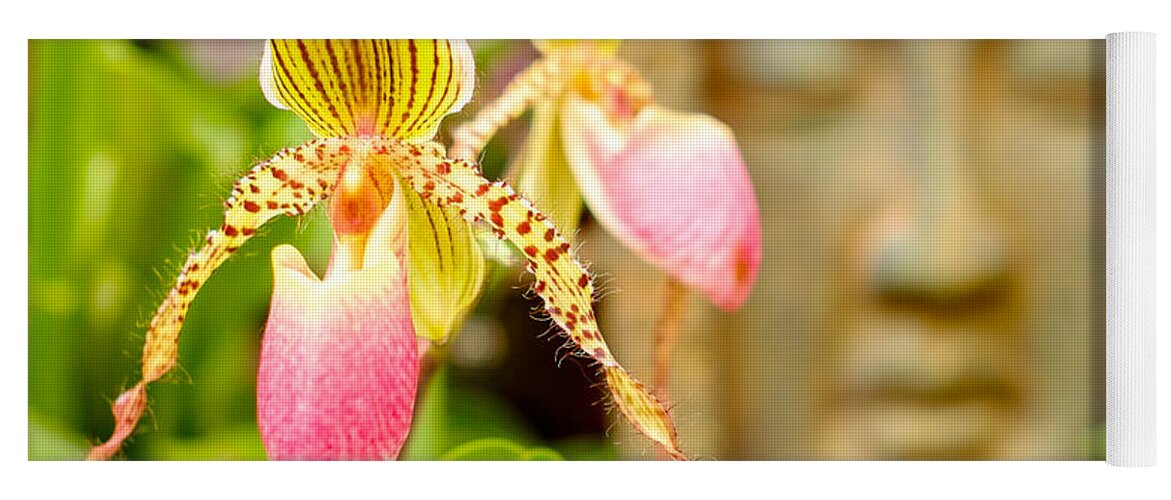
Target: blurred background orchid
671	186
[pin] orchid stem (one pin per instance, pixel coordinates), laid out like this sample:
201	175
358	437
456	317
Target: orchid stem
667	333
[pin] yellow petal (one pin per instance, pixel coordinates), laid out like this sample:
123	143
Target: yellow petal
543	173
445	266
291	183
561	281
388	88
602	47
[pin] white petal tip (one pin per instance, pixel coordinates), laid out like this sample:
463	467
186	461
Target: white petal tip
268	81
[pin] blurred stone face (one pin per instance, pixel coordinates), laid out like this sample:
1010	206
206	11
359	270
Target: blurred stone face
973	170
932	268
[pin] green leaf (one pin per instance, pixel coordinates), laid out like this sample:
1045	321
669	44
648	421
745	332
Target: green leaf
496	449
587	448
241	442
47	443
449	414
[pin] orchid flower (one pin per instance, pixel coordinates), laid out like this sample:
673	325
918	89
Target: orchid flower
671	186
339	361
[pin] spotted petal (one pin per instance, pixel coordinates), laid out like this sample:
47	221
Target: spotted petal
291	183
561	281
674	188
388	88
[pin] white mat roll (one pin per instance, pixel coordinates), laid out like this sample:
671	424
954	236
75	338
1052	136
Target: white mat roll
1130	245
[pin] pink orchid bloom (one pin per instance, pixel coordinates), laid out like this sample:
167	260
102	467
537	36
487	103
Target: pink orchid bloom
671	186
339	362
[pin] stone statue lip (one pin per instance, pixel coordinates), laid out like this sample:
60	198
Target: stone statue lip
961	388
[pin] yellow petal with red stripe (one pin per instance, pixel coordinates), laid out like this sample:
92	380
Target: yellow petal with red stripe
445	266
388	88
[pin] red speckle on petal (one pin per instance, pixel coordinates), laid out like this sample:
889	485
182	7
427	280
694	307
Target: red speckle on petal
497	204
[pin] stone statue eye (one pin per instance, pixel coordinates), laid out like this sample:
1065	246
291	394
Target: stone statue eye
1061	81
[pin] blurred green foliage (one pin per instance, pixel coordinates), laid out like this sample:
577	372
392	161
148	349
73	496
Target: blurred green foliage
132	149
1096	443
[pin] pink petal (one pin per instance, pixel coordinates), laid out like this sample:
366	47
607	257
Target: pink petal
339	363
673	187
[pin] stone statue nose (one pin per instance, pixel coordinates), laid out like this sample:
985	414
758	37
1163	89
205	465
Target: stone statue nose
951	248
951	255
